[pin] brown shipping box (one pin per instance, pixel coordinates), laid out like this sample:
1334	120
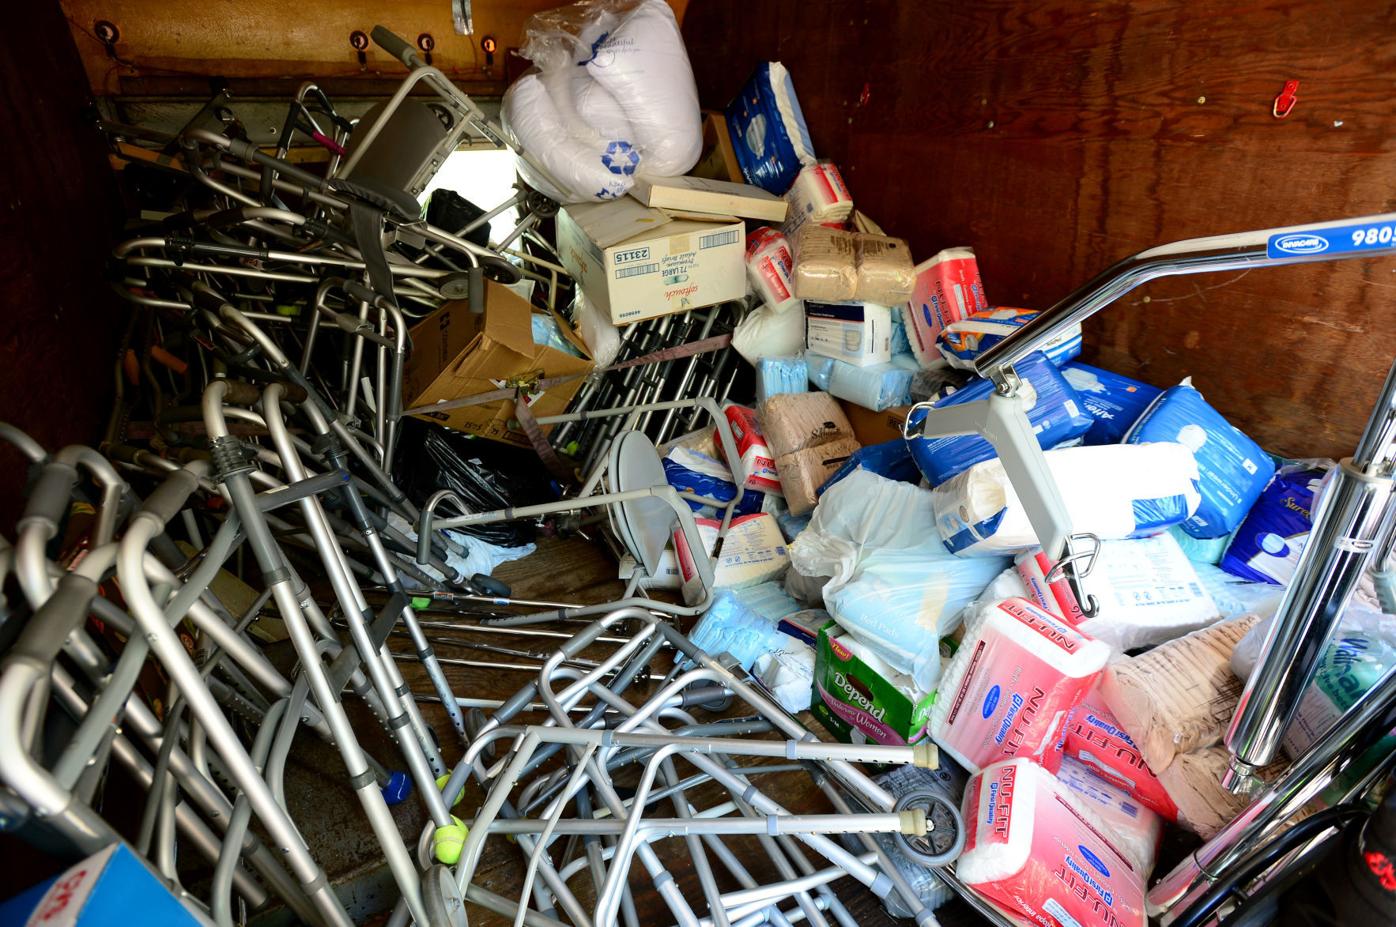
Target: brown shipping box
457	353
871	427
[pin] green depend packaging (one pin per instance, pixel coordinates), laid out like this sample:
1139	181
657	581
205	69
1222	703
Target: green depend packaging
859	698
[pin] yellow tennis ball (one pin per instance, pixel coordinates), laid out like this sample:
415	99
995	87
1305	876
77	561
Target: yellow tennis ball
441	784
448	841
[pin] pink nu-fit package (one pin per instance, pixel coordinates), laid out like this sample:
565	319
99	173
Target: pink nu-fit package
1034	849
1016	676
1095	740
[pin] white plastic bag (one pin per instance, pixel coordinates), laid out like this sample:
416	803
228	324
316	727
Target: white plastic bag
599	333
771	332
1111	491
613	92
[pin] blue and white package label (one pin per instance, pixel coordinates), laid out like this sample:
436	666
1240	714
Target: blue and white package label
1341	239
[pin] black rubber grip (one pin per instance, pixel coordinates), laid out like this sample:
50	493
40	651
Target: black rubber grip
394	44
48	500
64	612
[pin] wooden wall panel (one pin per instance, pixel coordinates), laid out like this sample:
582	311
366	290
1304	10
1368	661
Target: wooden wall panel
1058	136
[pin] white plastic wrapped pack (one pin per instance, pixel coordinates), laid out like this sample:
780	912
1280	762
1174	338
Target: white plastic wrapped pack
613	97
1146	590
1111	491
787	672
770	332
598	332
1133	829
892	584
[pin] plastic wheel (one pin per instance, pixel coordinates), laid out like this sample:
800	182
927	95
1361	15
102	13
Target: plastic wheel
441	898
945	829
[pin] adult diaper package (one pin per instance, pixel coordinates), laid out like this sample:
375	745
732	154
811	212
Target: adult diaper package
1132	829
1232	467
801	420
689	470
885	271
860	698
826	264
776	375
962	341
1053	408
769	134
857	333
1111	491
769	266
1180	696
1007	691
1034	847
819	196
1094	739
947	289
1051	594
787	672
1113	400
752	552
1266	548
770	332
757	461
613	96
891	459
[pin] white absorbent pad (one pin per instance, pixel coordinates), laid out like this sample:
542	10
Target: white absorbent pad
1016	676
1034	848
1132	828
1111	491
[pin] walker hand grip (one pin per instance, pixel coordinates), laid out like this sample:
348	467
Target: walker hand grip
395	45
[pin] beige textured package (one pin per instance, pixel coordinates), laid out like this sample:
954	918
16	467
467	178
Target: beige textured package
802	472
885	272
1180	696
794	421
826	263
1193	782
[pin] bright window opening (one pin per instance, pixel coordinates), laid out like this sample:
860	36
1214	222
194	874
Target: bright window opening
485	176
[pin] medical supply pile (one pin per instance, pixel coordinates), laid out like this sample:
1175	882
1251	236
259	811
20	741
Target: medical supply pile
825	640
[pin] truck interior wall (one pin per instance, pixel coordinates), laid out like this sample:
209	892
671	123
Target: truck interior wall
1057	137
60	322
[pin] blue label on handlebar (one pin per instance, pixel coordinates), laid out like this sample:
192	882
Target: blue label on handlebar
1343	239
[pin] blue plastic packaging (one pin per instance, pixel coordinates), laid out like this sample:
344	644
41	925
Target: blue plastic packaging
1113	400
891	459
1267	546
901	344
878	387
768	130
743	622
701	484
1057	416
1233	468
777	375
963	341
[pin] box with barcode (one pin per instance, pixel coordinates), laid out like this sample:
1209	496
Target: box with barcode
634	262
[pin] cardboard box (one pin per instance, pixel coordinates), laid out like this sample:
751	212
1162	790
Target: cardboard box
719	158
858	700
802	472
710	197
795	421
871	427
458	353
856	333
637	263
112	886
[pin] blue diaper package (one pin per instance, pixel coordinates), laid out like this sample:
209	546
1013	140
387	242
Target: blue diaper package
685	479
891	459
768	130
1267	546
1233	468
878	387
778	375
901	344
963	341
1113	400
1056	416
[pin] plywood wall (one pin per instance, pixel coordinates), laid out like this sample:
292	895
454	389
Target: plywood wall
1057	136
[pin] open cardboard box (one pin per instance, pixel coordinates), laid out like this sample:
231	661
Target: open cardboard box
458	353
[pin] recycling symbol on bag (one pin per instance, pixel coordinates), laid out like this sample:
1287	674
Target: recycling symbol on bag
621	158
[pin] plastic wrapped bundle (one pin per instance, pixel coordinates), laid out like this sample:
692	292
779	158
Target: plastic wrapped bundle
1054	412
769	134
1233	468
1112	491
818	195
878	387
777	375
769	265
612	96
961	342
1266	548
1134	829
770	331
1113	400
890	459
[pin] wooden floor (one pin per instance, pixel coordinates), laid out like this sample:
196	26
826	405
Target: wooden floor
573	571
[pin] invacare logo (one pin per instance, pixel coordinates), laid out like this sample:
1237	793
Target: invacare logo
1301	244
